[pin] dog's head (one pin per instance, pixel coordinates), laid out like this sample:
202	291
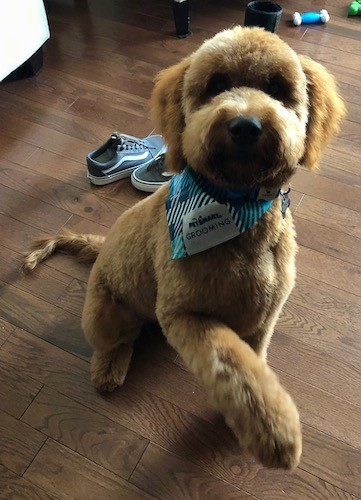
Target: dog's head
245	109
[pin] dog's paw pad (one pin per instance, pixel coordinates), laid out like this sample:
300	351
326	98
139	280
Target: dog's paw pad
280	453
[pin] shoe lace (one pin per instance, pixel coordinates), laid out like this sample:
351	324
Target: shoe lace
122	142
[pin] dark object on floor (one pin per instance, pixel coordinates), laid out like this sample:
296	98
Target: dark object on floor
181	17
264	14
29	68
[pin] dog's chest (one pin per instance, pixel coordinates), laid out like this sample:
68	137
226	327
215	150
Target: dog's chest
244	290
244	294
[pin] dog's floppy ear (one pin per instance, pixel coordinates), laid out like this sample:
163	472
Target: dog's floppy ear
326	109
166	109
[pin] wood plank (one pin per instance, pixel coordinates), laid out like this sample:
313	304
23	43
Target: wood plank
296	198
350	133
340	167
62	472
329	190
14	487
336	8
336	338
15	150
329	270
122	12
69	170
211	447
60	327
354	112
26	235
73	172
44	362
62	122
311	364
348	91
349	76
333	216
327	300
157	52
167	476
109	113
45	283
19	443
162	377
33	212
72	299
325	54
333	41
60	194
62	83
69	264
123	77
345	27
343	143
16	390
6	329
46	138
17	236
336	462
325	412
83	430
48	124
328	241
315	391
44	90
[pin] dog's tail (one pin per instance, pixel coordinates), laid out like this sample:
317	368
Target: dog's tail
84	246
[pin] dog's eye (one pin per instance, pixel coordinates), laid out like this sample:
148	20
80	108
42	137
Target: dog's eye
276	89
218	83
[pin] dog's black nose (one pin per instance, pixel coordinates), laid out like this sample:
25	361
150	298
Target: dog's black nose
244	129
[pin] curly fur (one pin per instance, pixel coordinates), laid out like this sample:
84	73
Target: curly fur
84	246
218	308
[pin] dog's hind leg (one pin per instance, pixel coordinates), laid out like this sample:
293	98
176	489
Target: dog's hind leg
241	385
111	328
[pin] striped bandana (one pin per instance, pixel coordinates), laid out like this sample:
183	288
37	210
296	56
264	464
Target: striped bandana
201	216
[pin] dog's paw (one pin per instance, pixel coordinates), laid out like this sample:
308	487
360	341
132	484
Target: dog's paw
108	370
269	426
279	444
106	382
275	440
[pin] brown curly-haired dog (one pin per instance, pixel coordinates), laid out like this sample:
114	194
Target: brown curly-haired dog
243	110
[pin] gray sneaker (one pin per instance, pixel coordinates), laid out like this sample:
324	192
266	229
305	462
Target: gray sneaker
120	155
151	177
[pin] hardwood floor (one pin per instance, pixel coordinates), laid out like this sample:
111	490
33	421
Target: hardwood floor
157	437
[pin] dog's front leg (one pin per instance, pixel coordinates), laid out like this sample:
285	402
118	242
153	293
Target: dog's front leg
241	385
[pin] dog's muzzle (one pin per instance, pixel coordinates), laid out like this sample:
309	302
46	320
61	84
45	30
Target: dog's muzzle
245	129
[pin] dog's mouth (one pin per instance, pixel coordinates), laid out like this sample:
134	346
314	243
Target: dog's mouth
247	166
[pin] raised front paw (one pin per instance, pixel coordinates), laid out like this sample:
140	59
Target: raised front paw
270	428
278	442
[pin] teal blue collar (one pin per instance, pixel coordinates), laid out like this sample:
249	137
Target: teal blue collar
201	215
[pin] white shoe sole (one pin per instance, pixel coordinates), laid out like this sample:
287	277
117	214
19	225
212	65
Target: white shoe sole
146	187
102	181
